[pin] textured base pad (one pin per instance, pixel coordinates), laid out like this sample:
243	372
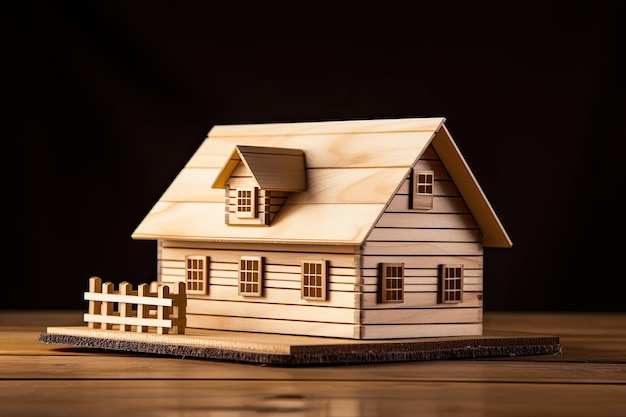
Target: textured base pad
281	350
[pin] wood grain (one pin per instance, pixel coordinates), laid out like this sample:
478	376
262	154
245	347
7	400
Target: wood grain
588	377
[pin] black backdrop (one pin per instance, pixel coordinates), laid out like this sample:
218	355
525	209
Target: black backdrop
106	101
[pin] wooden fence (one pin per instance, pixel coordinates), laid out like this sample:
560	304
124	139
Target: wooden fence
157	307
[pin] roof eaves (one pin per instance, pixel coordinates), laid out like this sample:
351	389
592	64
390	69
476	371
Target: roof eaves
493	232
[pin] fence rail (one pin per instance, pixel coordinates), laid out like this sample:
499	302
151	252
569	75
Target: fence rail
155	307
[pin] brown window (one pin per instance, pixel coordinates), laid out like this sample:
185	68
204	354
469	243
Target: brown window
392	283
251	275
451	283
422	190
196	274
314	277
246	202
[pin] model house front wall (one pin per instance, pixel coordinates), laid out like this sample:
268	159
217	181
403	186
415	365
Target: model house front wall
423	267
294	289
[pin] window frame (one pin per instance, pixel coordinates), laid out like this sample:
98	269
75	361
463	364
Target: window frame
306	275
422	200
458	281
203	270
250	276
252	198
385	280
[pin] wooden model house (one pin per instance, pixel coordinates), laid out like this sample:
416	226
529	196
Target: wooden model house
367	229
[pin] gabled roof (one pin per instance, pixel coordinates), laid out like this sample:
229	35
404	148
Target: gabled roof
353	169
272	168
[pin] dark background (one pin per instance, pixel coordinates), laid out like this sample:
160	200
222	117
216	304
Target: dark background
106	101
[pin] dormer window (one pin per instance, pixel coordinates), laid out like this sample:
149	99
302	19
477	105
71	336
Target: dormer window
246	202
257	182
422	190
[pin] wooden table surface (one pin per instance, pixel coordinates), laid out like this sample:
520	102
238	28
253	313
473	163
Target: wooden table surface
587	379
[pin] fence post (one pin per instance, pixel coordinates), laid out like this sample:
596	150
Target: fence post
180	308
143	290
163	312
125	309
95	286
107	306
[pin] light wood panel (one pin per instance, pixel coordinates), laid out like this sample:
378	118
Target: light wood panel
392	331
427	220
269	273
272	257
349	185
415	124
423	235
278	296
421	274
430	262
350	150
400	204
282	247
272	326
417	300
422	316
420	287
342	224
306	311
423	248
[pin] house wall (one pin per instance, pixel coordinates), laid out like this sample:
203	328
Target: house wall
423	240
280	309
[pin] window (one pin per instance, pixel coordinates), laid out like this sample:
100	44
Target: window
251	275
451	283
392	283
196	274
246	202
422	195
314	278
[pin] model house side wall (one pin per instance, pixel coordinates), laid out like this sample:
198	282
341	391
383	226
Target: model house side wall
422	241
280	308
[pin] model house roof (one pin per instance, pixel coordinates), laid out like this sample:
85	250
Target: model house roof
352	170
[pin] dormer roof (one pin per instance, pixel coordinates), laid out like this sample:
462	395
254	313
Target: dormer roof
279	169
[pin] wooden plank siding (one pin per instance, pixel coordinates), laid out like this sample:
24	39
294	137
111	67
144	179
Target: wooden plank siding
281	308
423	240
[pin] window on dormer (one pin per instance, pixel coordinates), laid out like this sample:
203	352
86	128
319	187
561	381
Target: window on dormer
246	202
